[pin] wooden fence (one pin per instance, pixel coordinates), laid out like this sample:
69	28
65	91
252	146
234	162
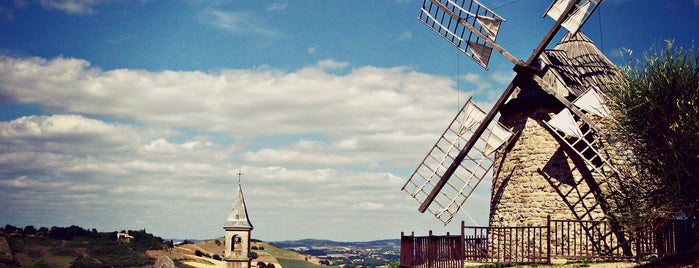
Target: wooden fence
513	244
432	251
562	239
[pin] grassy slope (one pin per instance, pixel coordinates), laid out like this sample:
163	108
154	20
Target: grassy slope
43	250
270	254
289	263
290	259
40	250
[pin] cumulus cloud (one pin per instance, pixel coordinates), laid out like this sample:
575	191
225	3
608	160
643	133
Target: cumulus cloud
165	147
330	64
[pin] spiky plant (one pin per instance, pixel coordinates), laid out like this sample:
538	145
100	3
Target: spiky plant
655	105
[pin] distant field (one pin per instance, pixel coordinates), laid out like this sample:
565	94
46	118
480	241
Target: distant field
289	263
270	254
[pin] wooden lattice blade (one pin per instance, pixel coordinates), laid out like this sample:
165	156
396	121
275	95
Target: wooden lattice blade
525	72
469	173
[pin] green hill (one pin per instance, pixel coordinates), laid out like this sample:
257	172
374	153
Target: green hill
76	247
266	253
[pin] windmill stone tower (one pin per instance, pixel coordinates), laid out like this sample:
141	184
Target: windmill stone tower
237	237
536	175
548	152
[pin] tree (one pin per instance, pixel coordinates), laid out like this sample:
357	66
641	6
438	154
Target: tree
10	229
656	110
29	230
43	231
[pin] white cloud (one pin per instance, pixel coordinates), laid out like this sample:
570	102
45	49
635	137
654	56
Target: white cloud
472	78
503	78
6	13
623	53
237	22
331	64
405	36
313	146
277	6
312	50
71	6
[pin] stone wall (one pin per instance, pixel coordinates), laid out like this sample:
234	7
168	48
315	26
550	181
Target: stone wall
535	177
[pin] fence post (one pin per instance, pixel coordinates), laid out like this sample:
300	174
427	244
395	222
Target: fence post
637	237
548	239
430	250
462	254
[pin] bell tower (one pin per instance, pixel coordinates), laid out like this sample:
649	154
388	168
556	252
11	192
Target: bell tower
237	229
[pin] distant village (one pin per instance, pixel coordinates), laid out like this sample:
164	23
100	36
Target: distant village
357	254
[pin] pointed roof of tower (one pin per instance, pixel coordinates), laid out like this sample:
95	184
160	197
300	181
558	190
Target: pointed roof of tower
238	217
580	64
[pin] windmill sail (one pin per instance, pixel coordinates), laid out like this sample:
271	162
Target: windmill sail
490	25
481	53
461	159
466	26
592	102
564	122
577	18
497	136
557	8
594	149
476	166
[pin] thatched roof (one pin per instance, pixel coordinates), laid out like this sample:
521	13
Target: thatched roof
580	64
573	66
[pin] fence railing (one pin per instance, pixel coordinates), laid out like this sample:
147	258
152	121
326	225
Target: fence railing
432	251
584	239
516	244
565	239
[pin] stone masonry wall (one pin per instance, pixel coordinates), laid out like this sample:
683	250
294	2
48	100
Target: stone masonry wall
535	177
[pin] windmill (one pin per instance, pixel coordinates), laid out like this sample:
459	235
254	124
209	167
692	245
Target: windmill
548	152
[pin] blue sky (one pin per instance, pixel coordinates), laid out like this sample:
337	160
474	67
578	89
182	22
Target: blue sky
139	114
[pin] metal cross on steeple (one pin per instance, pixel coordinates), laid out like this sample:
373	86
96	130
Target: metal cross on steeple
240	174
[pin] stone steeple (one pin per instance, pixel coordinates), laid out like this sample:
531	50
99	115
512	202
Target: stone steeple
237	228
238	217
